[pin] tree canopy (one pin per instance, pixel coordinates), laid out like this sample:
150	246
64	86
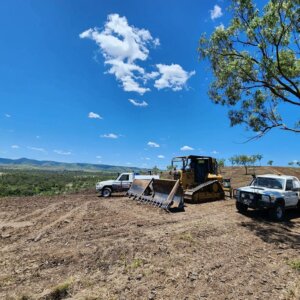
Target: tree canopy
256	66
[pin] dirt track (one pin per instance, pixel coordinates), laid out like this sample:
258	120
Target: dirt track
118	249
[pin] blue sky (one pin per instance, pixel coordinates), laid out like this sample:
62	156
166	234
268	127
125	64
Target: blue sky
116	82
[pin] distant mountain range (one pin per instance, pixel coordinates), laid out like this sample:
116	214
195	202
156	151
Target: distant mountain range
25	163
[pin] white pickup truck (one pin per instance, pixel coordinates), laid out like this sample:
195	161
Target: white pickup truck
273	192
121	184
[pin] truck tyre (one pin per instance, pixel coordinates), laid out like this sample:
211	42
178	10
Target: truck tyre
241	207
277	212
106	192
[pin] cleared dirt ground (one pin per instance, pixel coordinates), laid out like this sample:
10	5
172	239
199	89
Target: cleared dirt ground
85	247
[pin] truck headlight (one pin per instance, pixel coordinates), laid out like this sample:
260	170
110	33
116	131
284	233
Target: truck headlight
265	198
236	193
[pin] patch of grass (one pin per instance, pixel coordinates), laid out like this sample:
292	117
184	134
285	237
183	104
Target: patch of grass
133	265
187	236
25	297
136	263
60	291
295	264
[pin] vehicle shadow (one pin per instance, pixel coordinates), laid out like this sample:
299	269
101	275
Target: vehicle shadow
114	195
286	232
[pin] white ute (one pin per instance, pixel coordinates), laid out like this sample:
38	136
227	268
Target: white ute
121	184
273	192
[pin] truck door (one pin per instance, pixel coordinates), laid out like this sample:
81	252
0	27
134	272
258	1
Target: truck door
296	196
291	198
125	183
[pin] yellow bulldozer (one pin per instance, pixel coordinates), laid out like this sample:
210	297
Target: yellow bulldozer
195	179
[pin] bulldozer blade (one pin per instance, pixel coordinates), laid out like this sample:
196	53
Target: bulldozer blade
166	194
138	188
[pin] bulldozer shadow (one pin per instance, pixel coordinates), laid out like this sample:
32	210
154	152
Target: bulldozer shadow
187	202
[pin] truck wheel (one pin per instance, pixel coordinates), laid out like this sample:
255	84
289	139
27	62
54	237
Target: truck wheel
276	213
241	207
106	192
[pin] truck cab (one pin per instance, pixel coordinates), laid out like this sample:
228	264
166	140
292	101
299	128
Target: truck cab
121	184
276	193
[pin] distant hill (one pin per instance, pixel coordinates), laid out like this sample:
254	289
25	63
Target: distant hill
25	163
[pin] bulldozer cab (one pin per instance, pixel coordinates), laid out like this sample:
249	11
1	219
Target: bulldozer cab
194	170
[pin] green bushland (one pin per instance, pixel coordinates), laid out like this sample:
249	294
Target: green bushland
44	182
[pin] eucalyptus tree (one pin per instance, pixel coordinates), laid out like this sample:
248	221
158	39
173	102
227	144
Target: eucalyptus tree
256	66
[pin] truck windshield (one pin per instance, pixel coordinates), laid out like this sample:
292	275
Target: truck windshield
271	183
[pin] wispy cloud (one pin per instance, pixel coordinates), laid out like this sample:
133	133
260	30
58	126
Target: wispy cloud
186	148
214	152
98	156
93	115
137	103
153	145
172	76
161	156
36	149
216	12
110	136
122	46
7	115
61	152
15	146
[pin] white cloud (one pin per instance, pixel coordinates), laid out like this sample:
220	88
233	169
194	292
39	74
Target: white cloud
160	156
93	115
15	146
216	12
110	136
36	149
99	156
214	152
172	76
7	115
147	158
61	152
220	27
122	45
137	103
153	145
186	148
